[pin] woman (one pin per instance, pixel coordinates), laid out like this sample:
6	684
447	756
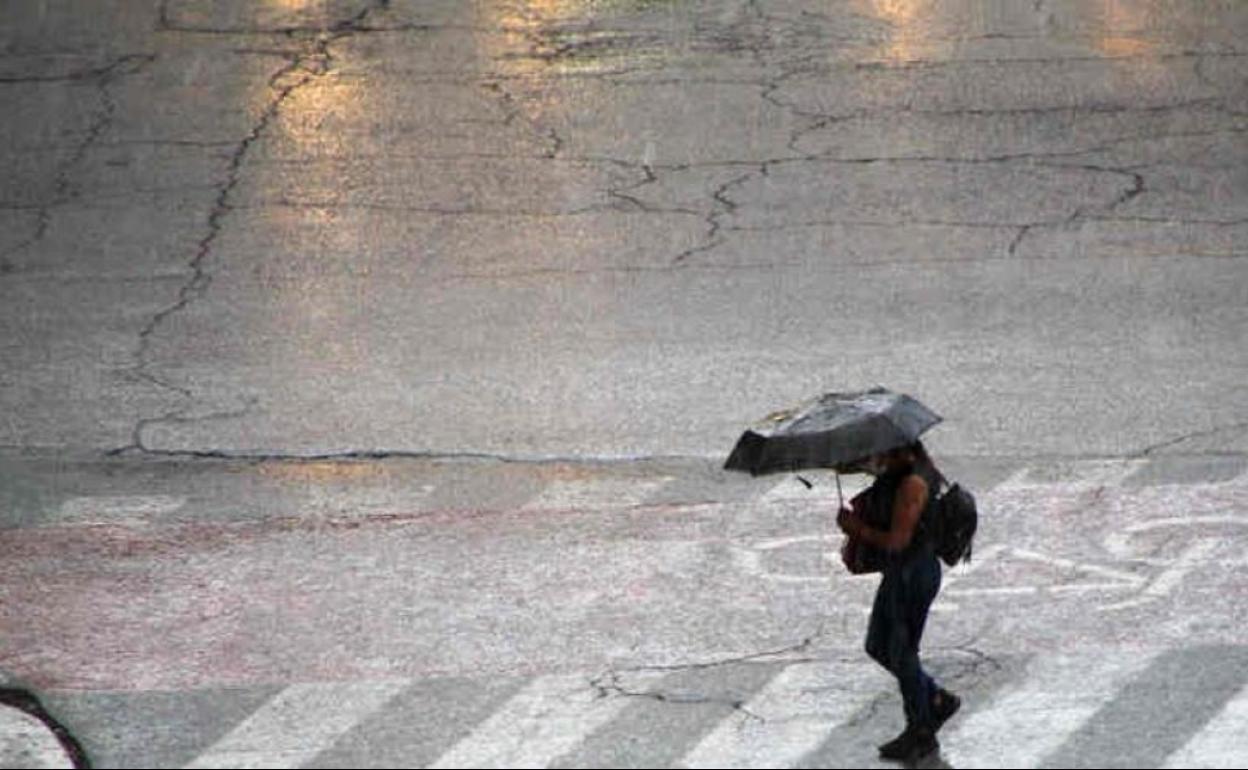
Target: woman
906	482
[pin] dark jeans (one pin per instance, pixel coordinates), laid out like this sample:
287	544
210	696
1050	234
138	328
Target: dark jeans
905	595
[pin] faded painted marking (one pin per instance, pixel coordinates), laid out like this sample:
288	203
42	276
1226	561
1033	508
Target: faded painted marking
750	558
1080	475
1221	743
789	718
1165	583
298	723
1057	696
1120	576
541	723
595	493
109	509
1120	543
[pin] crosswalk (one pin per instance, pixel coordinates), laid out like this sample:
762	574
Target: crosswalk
1133	697
1057	694
300	722
1051	710
1221	742
323	489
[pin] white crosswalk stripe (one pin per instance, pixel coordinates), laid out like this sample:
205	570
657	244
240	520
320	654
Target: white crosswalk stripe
298	723
544	721
1042	704
1221	744
1045	706
790	717
1056	695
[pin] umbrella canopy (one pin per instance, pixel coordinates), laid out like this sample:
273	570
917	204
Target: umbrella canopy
831	431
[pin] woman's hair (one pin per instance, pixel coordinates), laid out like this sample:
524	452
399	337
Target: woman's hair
923	460
915	450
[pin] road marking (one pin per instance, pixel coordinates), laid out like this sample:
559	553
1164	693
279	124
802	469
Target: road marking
28	743
110	509
1221	743
750	558
1193	556
298	723
1118	580
541	723
594	494
789	718
1056	697
671	715
1120	543
1074	475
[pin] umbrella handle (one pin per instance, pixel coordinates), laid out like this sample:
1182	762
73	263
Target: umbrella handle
839	495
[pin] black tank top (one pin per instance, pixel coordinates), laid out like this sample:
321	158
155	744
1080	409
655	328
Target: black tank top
884	496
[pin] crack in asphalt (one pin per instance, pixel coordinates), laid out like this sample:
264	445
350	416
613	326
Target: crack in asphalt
1150	449
302	68
363	454
1012	250
609	683
1215	103
63	191
102	73
725	208
1107	146
756	32
354	24
817	64
177	417
513	110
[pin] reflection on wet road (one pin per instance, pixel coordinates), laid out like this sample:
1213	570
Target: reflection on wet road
562	227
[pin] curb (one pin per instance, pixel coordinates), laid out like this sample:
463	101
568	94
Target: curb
31	738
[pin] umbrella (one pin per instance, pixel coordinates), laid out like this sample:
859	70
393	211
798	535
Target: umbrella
834	430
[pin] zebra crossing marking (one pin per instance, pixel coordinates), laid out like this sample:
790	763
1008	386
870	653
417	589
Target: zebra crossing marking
789	718
1221	743
1049	706
1056	696
1211	505
1150	717
539	724
298	723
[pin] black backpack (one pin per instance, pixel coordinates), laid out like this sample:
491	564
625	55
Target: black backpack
954	519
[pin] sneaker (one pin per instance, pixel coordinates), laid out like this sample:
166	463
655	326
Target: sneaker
892	746
944	706
910	746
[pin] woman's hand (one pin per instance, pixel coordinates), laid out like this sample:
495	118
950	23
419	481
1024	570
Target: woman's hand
848	522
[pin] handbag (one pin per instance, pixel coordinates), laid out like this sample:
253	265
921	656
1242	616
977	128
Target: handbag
858	557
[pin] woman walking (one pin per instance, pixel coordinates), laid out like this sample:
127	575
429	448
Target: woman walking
906	484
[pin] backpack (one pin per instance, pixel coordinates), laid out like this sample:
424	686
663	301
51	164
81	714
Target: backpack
954	519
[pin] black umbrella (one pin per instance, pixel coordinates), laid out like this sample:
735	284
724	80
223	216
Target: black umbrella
834	430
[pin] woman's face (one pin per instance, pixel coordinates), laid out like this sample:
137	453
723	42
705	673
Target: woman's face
876	465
